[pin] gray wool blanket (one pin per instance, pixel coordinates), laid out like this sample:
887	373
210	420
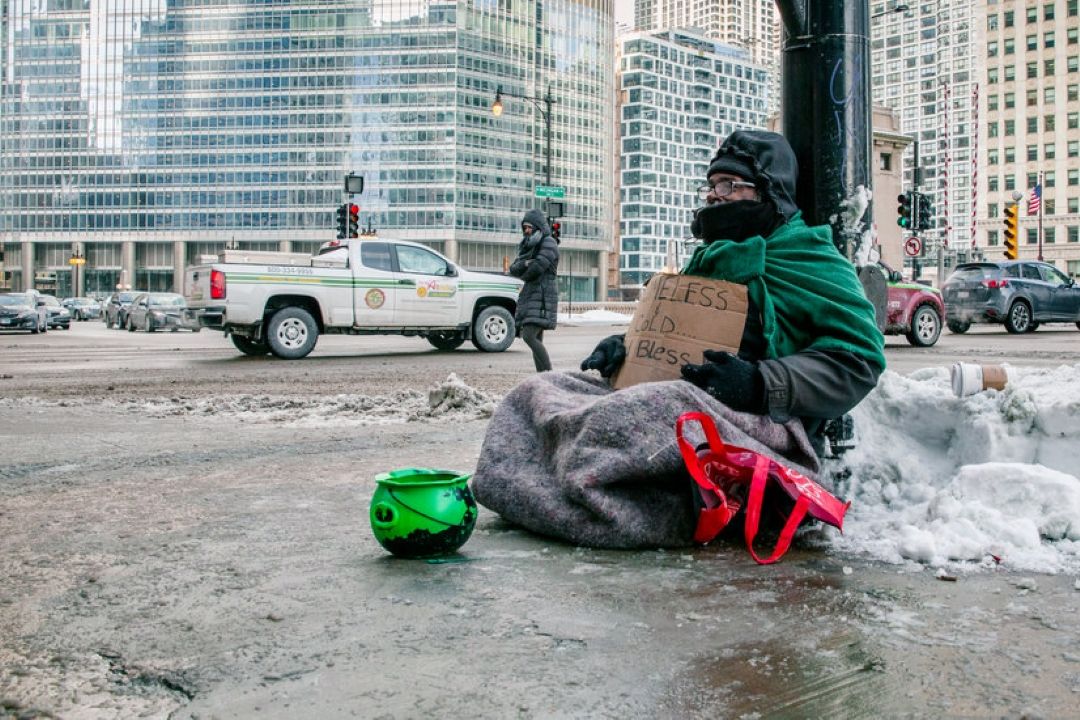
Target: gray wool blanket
568	457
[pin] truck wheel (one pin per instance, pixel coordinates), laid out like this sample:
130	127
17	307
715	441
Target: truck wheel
493	330
925	327
255	348
1019	318
958	326
292	333
446	340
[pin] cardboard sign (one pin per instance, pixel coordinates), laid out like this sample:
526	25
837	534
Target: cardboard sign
677	319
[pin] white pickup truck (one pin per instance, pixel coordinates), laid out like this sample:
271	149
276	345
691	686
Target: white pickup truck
269	302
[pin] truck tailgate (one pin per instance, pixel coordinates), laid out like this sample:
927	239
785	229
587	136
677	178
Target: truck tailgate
197	286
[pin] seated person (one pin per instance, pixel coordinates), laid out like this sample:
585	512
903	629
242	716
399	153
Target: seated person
567	456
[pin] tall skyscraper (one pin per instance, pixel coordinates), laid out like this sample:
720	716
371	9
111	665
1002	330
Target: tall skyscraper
680	94
923	67
147	132
750	24
1030	128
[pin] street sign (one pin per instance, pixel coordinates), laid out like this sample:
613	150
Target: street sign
913	246
76	260
550	191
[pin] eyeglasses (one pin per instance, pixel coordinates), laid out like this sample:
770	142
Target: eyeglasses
723	188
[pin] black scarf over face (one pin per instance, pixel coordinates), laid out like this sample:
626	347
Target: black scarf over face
735	220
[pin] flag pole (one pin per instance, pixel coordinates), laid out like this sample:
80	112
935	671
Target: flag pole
1040	187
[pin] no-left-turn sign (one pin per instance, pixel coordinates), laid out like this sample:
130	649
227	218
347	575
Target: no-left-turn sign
912	246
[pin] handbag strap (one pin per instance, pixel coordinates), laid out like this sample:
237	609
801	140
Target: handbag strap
718	509
753	514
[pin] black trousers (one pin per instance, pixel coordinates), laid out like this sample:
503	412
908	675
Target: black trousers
533	335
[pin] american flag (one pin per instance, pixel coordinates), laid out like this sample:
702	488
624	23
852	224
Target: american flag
1035	201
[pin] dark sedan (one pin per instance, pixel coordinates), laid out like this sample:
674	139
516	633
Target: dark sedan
82	308
1020	294
19	311
116	306
59	317
156	311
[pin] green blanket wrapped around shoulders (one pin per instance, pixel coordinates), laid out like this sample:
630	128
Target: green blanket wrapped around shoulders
808	293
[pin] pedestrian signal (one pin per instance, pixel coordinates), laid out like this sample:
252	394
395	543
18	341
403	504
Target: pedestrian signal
1011	232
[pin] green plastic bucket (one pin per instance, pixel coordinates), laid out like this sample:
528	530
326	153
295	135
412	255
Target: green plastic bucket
420	512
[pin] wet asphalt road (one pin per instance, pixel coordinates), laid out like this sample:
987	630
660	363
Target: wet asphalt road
174	563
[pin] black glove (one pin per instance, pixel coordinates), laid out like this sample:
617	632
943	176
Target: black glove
608	356
731	380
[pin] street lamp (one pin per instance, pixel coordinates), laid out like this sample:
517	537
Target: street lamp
545	110
898	8
76	261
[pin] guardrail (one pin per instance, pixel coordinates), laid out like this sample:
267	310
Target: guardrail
623	308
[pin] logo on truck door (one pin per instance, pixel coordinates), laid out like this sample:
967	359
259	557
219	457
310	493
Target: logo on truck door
374	298
436	289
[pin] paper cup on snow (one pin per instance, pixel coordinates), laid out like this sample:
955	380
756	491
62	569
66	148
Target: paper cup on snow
970	378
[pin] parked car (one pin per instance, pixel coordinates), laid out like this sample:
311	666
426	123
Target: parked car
116	308
58	315
20	311
913	310
1021	294
82	308
157	311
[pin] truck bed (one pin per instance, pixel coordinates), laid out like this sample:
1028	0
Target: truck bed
265	257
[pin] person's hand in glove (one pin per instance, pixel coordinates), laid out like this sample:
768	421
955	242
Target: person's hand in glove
608	356
730	379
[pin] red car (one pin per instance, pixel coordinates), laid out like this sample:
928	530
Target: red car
914	310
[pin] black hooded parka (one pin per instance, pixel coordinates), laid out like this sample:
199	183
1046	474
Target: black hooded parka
537	264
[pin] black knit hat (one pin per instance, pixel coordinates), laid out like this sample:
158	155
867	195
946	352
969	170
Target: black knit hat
732	165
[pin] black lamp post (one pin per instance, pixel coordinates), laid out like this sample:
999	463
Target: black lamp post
545	110
76	261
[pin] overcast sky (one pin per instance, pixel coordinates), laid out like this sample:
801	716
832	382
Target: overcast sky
624	11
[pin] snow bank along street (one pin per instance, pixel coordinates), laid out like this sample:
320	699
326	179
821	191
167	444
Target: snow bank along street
967	482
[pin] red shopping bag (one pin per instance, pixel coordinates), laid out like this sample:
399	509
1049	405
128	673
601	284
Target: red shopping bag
728	476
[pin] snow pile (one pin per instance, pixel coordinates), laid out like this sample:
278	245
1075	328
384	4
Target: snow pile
451	400
941	480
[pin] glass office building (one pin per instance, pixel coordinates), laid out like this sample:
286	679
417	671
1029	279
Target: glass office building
141	134
681	95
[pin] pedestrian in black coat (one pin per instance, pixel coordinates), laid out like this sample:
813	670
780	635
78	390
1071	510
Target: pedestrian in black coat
537	264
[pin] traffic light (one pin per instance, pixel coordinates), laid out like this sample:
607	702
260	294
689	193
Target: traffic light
926	210
354	220
904	210
556	230
1011	231
342	221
